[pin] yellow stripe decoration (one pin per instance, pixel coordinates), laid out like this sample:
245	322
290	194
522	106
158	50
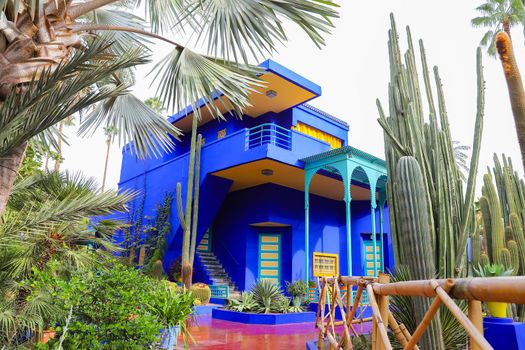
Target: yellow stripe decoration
333	141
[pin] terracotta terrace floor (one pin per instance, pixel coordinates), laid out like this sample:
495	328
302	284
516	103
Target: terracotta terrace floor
219	335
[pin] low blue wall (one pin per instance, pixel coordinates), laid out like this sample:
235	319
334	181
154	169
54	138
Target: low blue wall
272	319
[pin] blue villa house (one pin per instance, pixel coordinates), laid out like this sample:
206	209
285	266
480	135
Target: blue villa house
279	182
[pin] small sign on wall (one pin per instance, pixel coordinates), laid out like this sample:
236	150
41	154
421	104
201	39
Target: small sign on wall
326	264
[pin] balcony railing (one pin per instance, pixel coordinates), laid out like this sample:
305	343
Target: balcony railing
269	133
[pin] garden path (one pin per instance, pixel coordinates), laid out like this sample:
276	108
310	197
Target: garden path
224	335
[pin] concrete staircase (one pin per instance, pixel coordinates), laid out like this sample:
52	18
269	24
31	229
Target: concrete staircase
217	273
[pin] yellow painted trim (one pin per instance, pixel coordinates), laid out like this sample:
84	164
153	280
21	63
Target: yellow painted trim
333	141
323	261
269	272
270	239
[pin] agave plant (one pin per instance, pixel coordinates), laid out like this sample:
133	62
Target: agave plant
267	295
492	270
245	304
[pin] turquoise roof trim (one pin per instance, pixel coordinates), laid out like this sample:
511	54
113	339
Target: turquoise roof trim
345	150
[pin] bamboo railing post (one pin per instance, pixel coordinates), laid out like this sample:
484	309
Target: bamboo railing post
429	315
407	334
383	299
394	326
346	331
358	294
320	312
475	335
380	329
474	315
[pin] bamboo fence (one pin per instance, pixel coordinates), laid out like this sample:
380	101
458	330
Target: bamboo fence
474	290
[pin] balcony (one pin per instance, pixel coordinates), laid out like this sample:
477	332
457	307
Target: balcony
271	134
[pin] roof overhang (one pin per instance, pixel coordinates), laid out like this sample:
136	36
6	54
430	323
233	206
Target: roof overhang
283	89
251	174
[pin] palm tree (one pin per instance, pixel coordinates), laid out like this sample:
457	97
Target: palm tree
156	104
46	221
110	133
498	15
51	66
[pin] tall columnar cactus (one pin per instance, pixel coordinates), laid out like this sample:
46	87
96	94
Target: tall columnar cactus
408	133
417	239
514	85
188	221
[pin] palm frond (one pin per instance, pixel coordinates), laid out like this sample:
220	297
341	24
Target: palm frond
54	96
187	78
232	27
123	41
150	132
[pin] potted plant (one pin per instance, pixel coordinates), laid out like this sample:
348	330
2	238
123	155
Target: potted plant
298	290
496	308
173	310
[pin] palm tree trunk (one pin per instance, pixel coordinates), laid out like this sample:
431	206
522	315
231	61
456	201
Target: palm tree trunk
9	165
58	161
506	26
514	85
108	143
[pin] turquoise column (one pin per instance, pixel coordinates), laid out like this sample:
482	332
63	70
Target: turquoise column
346	173
382	200
348	236
307	180
373	206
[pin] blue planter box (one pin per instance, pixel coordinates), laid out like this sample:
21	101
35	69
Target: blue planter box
272	319
504	334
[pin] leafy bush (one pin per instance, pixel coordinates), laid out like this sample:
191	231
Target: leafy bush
110	309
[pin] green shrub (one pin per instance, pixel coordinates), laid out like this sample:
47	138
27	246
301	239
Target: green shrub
110	309
202	292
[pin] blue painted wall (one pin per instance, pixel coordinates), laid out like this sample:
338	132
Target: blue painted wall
235	241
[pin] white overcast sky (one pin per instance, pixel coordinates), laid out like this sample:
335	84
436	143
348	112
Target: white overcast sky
353	71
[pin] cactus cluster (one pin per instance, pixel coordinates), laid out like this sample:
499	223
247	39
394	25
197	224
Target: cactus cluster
499	237
409	133
431	220
202	292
